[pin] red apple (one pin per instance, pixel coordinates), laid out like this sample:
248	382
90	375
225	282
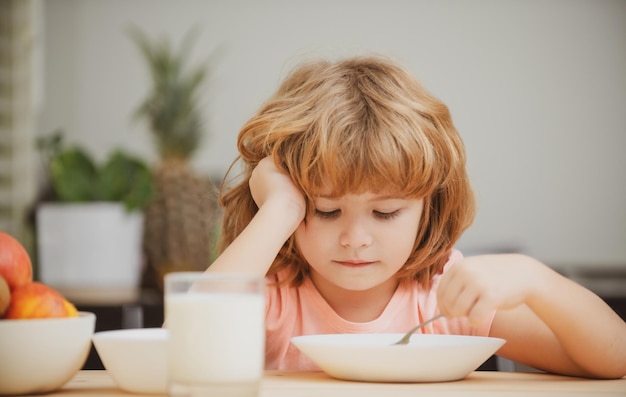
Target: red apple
37	300
15	265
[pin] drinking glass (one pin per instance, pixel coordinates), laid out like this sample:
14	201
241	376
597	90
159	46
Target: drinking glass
216	334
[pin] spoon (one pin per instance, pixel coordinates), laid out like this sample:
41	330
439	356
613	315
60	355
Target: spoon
405	339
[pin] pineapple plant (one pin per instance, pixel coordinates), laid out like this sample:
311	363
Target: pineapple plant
180	221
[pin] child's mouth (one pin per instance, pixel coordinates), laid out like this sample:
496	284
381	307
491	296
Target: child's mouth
354	263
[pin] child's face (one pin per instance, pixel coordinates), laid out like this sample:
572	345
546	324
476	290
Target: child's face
357	242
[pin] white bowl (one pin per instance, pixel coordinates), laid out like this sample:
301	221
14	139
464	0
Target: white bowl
373	358
41	355
136	358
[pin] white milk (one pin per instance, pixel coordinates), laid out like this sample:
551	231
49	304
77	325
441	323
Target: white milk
215	337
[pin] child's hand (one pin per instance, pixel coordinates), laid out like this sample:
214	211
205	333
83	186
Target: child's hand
281	210
269	183
475	286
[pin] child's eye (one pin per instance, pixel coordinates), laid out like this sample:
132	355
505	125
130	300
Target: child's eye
327	214
386	215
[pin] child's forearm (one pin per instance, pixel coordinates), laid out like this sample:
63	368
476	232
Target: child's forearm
592	334
256	247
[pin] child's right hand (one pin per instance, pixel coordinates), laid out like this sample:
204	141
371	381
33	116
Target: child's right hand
268	183
281	210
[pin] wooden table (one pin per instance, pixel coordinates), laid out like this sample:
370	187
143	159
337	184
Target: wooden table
312	384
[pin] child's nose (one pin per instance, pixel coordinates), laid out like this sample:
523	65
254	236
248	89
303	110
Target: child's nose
354	235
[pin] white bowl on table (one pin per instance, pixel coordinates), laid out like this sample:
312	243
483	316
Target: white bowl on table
135	358
41	355
374	358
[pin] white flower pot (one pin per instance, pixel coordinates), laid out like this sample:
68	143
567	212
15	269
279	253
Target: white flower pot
90	252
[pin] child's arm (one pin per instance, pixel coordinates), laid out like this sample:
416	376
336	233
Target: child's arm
281	210
549	322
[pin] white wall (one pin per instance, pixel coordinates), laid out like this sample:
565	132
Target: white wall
537	89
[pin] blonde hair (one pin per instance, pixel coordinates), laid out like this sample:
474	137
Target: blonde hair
359	124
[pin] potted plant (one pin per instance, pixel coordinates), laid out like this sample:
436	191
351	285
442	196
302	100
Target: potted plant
90	223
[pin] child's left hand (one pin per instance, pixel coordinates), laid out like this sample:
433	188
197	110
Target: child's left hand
476	286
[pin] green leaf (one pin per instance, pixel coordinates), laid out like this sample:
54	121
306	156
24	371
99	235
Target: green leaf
127	179
74	176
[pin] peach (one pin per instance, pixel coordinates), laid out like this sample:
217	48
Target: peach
5	296
37	300
15	264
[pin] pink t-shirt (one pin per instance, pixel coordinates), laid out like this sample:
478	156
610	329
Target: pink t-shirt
303	311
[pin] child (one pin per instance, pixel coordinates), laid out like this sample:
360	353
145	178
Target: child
353	194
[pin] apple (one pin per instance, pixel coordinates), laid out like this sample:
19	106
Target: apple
5	296
37	300
15	265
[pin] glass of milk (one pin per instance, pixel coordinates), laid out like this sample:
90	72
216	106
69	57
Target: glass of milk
216	329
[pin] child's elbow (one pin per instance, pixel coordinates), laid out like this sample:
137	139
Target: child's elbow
609	370
617	373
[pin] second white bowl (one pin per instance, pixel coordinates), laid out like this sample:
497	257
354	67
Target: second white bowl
136	358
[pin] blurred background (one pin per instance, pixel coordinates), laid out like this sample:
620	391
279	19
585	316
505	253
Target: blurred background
536	88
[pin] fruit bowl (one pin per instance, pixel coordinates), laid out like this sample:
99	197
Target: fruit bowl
41	355
136	358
